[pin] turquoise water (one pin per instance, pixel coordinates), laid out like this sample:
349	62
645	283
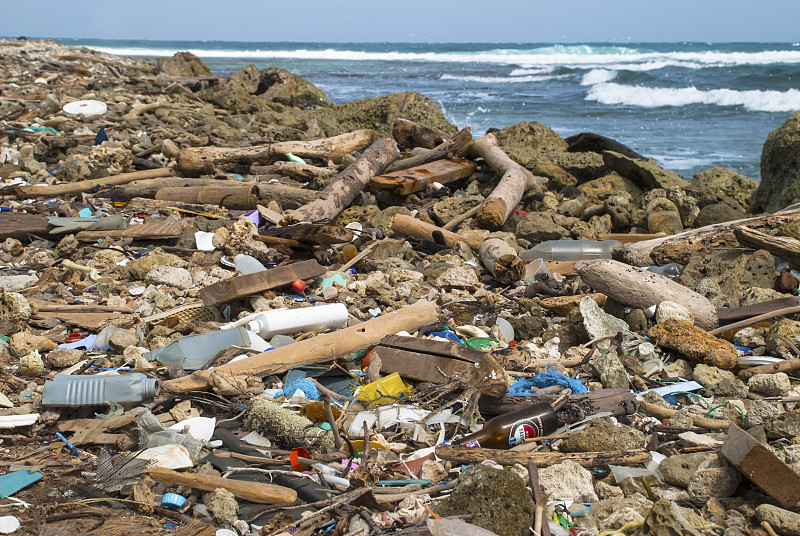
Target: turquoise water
688	105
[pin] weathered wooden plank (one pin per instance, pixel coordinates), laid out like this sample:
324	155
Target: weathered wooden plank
19	225
418	178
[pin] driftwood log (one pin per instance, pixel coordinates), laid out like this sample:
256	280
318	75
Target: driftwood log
200	160
458	146
305	172
515	181
502	261
229	194
319	349
338	195
149	187
410	134
407	226
89	185
678	247
640	288
782	246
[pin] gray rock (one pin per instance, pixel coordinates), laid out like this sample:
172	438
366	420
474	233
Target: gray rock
537	228
620	209
718	213
179	278
598	323
720	382
776	384
13	283
667	519
63	357
568	480
498	499
678	469
780	168
601	435
611	371
759	412
735	271
725	181
782	521
786	328
713	482
786	425
670	309
645	173
170	149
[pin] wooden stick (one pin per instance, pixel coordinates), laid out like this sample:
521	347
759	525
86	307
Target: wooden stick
458	146
458	219
515	181
589	460
408	226
338	195
787	365
536	490
319	349
756	319
89	185
250	491
702	422
363	254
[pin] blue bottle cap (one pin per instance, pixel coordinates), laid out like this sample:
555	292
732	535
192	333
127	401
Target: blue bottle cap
172	501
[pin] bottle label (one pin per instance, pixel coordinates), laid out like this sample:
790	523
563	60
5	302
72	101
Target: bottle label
472	444
525	429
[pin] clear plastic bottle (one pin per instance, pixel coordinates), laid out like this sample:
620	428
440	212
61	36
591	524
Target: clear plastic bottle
672	270
194	351
285	321
571	250
245	264
78	391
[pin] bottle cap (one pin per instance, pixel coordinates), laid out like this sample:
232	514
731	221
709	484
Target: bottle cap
172	501
480	343
298	286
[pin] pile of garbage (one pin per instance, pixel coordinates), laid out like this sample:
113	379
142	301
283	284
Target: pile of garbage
229	306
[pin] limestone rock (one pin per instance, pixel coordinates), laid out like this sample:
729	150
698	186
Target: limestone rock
669	309
718	213
25	342
449	207
601	435
760	412
694	343
645	173
720	382
666	519
517	140
536	228
223	506
154	258
183	64
64	357
713	482
171	276
663	217
613	182
568	480
31	365
780	168
776	384
727	182
459	277
786	425
14	307
679	468
498	499
13	283
782	521
598	323
611	371
790	330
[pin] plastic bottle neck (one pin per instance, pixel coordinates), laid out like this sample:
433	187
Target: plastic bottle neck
150	388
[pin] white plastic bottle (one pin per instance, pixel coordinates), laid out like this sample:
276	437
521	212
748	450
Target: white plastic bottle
285	321
246	264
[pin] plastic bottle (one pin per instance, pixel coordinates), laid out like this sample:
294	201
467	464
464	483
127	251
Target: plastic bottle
285	321
672	270
510	429
571	250
245	264
194	351
77	391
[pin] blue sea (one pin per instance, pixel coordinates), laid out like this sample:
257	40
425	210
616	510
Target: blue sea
690	106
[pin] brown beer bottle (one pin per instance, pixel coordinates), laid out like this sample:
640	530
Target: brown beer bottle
510	429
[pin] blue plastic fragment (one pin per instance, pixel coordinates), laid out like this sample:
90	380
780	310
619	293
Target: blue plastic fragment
101	136
546	379
13	482
446	335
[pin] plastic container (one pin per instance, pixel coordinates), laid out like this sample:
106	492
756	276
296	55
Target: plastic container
536	270
194	351
172	501
79	391
285	321
672	270
571	250
245	264
387	389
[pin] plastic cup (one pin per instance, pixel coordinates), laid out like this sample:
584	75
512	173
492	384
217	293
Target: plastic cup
536	271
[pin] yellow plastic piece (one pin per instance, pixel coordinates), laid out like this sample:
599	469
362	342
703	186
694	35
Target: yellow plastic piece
387	389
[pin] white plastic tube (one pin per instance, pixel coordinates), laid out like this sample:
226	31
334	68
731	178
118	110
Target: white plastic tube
284	321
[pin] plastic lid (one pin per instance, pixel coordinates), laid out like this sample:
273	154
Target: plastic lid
225	532
480	343
85	107
298	286
173	501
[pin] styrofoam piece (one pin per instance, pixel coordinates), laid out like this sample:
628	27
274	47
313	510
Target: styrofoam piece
203	241
5	402
357	229
88	108
201	428
675	388
466	332
13	421
9	524
169	456
506	329
254	438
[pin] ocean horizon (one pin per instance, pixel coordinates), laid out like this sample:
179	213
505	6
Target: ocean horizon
690	106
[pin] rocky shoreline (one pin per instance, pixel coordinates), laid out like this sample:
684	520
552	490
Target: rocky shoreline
196	170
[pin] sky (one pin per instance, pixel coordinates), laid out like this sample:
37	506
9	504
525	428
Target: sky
407	20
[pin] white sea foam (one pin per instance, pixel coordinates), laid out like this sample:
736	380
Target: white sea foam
496	79
648	97
598	76
579	56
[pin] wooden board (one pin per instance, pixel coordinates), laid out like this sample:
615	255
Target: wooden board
630	238
20	225
98	431
256	492
420	366
149	230
246	285
560	267
418	178
762	467
427	346
468	455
